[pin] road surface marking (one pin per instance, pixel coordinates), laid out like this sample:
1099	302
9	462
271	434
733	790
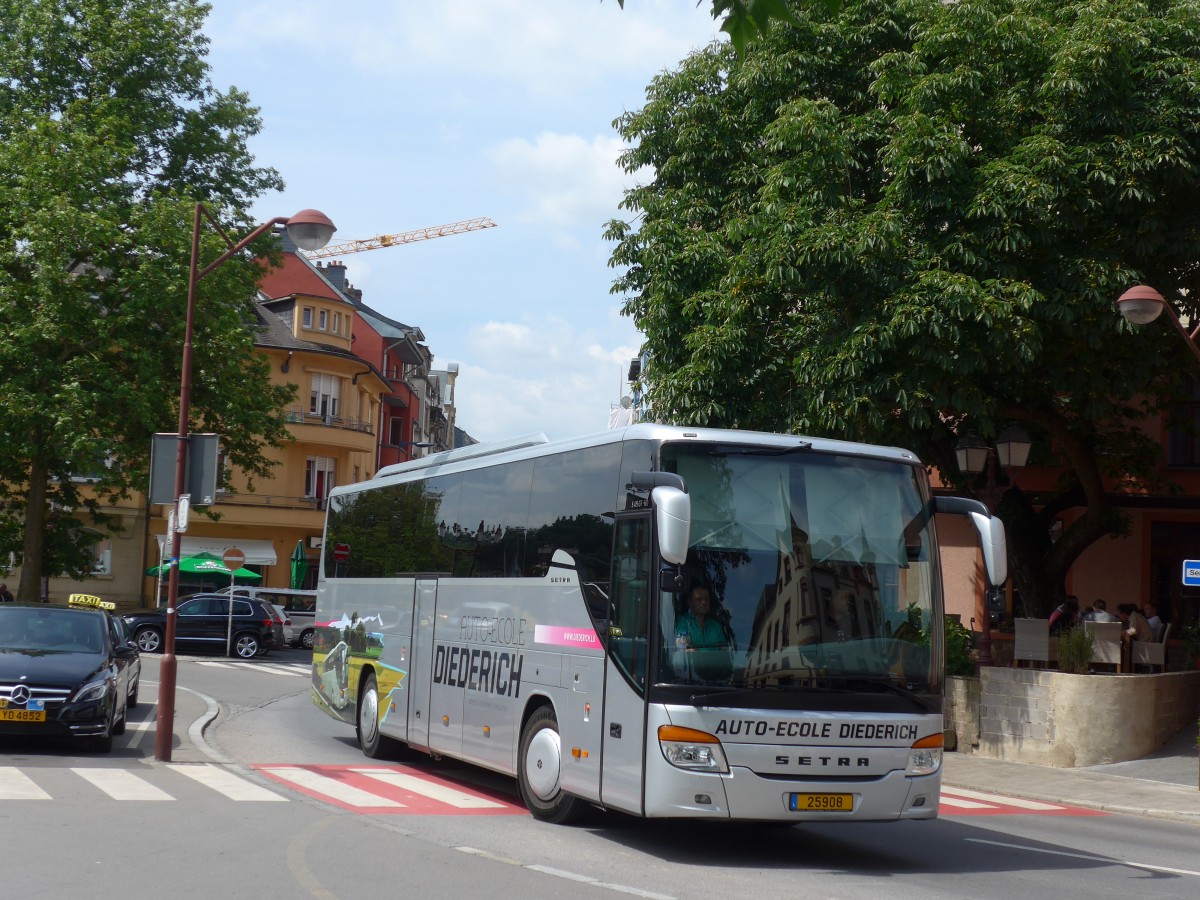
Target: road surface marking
1088	856
459	799
122	785
562	873
391	789
225	782
958	793
15	785
326	787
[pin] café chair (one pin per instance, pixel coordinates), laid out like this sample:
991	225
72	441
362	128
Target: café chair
1106	642
1031	642
1152	653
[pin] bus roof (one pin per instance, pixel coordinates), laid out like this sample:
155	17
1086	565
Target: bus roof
529	446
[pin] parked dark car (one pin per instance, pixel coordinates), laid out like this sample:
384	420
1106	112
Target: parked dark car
66	672
203	622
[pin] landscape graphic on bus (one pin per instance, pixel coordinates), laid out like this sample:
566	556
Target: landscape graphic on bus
340	649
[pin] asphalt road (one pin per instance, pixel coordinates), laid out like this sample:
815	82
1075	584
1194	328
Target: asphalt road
289	814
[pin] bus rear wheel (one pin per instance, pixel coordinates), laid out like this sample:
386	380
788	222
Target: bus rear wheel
539	769
374	744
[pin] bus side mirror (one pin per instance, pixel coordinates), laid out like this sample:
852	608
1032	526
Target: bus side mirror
673	515
990	530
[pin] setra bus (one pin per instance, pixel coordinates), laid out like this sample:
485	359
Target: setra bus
524	606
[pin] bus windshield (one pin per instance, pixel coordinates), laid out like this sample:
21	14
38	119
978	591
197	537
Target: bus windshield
819	571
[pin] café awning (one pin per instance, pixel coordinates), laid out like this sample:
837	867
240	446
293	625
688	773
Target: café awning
258	553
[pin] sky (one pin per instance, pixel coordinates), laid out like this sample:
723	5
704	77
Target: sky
395	115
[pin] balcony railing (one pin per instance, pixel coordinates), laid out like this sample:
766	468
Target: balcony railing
275	500
297	415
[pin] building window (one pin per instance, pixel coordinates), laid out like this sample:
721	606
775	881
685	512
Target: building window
306	317
337	323
1183	439
323	398
319	477
322	320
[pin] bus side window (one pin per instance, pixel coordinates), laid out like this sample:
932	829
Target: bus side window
630	591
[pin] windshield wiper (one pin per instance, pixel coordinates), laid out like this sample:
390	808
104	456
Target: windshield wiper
880	681
799	447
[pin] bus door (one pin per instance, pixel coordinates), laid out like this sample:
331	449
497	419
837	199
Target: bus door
626	667
420	667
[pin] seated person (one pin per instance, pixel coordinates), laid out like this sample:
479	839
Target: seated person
701	642
1065	615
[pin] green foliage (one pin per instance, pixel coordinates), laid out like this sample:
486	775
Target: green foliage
960	645
110	130
896	222
1190	634
1075	647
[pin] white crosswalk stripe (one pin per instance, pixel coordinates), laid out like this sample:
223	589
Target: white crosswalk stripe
129	786
332	788
122	785
458	799
225	782
957	795
293	670
16	785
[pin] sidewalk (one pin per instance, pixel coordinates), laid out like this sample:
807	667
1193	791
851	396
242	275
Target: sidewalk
193	712
1164	785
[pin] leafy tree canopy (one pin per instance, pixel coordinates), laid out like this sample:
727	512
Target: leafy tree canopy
908	219
110	131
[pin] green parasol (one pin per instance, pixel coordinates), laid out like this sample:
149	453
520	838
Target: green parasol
206	564
299	566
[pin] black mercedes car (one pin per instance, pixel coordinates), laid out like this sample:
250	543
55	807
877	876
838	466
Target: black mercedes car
66	672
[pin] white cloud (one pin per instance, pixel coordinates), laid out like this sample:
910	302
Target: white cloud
522	377
549	46
565	180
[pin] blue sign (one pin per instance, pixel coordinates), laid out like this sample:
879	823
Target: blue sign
1191	572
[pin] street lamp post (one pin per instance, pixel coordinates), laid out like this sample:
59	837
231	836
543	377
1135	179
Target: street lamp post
975	456
1142	304
309	230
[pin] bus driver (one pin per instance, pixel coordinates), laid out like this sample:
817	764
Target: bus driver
701	643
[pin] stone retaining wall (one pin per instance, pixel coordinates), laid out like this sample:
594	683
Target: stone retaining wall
1051	718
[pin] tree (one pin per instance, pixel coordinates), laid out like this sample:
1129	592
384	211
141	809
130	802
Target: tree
744	20
110	131
910	220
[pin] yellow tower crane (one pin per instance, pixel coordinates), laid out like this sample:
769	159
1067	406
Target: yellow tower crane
341	248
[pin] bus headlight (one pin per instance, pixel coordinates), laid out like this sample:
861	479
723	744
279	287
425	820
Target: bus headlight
687	748
925	756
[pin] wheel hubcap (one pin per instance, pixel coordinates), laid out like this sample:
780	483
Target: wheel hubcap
368	715
542	763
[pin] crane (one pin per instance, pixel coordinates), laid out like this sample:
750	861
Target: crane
404	237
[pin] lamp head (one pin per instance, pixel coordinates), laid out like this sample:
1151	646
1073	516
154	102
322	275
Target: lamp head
310	229
1141	304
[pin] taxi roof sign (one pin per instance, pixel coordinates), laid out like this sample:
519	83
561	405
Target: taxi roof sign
89	601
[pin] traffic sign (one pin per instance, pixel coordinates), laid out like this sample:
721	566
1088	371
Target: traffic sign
233	559
1191	572
341	552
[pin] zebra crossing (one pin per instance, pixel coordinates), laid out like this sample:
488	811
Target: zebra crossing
288	670
359	789
362	789
958	801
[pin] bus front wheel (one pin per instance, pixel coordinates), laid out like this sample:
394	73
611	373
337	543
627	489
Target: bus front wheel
374	744
539	768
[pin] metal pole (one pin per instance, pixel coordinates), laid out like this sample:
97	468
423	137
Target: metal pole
165	726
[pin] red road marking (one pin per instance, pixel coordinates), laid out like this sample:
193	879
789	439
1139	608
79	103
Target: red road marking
353	787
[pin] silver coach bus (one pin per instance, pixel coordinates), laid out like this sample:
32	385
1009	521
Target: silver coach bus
526	606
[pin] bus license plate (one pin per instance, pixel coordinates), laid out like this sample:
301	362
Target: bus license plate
821	802
22	715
